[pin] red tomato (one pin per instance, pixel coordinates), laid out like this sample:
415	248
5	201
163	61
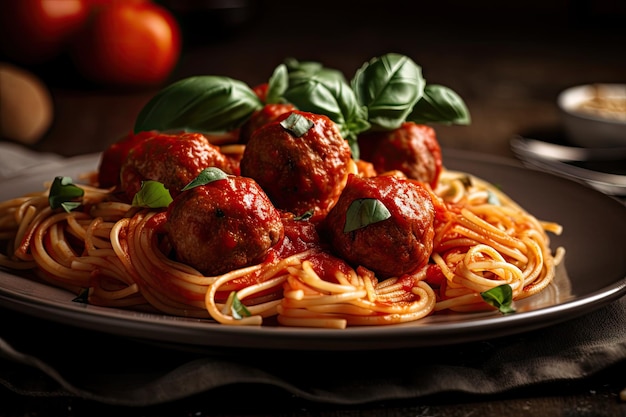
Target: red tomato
104	3
128	43
34	31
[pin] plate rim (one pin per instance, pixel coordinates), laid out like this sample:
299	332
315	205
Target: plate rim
198	333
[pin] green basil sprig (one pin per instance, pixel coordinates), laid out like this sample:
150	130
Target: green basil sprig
202	104
385	92
152	194
279	81
363	212
440	104
82	297
320	90
237	308
500	297
63	193
389	86
277	85
206	176
296	124
293	65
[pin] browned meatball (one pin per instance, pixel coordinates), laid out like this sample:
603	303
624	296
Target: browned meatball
173	160
114	156
302	171
223	225
390	246
412	149
267	114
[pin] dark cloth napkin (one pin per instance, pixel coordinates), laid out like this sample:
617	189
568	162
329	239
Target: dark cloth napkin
39	358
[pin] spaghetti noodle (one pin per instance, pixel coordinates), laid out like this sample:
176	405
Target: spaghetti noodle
117	255
489	240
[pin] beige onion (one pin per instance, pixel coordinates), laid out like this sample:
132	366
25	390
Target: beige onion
26	108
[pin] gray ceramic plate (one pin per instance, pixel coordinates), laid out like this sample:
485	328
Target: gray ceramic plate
593	275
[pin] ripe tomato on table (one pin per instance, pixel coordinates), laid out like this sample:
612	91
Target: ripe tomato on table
128	43
98	3
34	31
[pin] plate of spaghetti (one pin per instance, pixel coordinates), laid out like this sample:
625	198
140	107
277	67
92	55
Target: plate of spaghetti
282	218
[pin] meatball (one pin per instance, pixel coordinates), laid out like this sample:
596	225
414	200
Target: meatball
301	169
268	113
173	160
223	225
113	157
412	149
393	245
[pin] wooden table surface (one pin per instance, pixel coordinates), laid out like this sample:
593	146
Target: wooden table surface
509	67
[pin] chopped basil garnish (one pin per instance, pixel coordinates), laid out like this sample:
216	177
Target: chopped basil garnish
296	124
304	216
500	297
152	194
466	180
82	297
237	308
207	175
492	198
63	193
363	212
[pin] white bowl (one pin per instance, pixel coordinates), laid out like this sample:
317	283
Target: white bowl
600	126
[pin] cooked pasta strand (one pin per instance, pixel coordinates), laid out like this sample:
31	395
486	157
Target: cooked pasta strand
120	253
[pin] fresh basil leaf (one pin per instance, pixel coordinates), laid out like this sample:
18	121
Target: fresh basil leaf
363	212
466	180
500	297
388	86
324	93
63	193
152	194
279	81
207	175
277	85
202	103
442	105
311	67
304	216
82	297
296	124
492	198
355	151
293	65
70	205
311	87
237	308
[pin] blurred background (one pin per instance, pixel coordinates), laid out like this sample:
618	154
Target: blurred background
507	60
